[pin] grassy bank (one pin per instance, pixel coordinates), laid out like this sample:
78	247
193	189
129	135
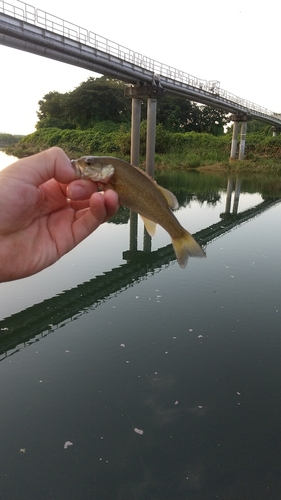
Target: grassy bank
173	150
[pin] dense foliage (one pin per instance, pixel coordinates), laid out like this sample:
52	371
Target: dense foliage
173	149
102	99
195	148
9	139
95	118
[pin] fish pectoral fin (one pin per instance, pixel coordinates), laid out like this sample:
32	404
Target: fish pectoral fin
170	197
150	226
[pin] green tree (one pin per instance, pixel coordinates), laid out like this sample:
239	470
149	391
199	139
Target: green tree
102	100
258	126
212	121
95	100
177	114
54	111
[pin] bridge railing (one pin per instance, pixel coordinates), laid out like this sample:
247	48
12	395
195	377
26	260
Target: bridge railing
38	17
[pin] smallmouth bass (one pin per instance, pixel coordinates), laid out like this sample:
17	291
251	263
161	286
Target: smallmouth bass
140	193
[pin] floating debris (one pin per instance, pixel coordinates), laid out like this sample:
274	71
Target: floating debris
138	431
67	444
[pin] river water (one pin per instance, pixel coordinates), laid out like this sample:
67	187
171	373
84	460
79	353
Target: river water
124	377
6	160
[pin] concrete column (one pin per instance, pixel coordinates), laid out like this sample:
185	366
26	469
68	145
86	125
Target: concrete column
151	135
150	155
135	131
275	130
135	160
138	93
237	119
234	140
242	140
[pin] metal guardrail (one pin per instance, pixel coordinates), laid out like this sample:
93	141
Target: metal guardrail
38	17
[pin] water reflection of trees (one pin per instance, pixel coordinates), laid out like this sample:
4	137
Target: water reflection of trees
210	197
207	188
184	198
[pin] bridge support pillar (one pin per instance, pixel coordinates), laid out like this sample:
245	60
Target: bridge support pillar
234	140
135	131
229	191
239	120
275	130
135	159
138	93
242	140
151	92
151	135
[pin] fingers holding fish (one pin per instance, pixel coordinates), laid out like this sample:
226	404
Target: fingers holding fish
81	189
109	201
101	208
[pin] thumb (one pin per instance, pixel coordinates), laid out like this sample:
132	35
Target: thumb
39	168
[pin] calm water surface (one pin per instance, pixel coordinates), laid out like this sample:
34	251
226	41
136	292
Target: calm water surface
165	381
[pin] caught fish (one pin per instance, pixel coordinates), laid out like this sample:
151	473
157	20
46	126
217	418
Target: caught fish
139	192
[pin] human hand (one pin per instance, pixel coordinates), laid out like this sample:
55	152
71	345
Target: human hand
45	212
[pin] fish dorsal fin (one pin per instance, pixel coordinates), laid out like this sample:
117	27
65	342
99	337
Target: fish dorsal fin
149	225
170	197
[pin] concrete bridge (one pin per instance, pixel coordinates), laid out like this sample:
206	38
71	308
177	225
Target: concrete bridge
27	28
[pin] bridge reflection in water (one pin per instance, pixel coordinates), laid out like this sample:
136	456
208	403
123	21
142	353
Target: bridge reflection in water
229	191
41	319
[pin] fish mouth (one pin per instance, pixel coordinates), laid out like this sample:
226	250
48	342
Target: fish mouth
89	167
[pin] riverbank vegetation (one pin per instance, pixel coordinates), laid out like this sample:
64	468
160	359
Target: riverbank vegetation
95	119
7	140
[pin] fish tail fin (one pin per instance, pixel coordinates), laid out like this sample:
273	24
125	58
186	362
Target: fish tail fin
185	246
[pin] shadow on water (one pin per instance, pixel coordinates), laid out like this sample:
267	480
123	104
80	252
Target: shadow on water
43	318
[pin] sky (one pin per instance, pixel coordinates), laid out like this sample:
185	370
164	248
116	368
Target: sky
236	43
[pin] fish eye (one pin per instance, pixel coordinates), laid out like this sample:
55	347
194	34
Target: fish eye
88	162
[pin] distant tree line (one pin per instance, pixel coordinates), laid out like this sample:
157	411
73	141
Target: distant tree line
9	139
103	100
